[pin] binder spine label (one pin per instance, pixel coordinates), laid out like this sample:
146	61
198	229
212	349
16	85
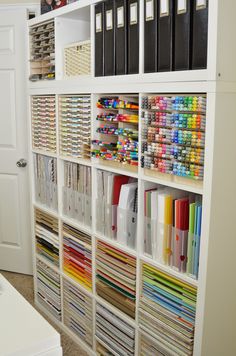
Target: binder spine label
120	17
99	22
164	8
201	4
149	10
182	6
134	13
109	22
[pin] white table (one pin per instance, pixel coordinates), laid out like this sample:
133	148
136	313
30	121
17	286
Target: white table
23	331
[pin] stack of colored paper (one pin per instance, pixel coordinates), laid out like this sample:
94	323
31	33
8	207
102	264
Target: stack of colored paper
49	289
167	311
101	350
75	113
44	123
114	332
45	174
46	233
77	255
116	277
78	312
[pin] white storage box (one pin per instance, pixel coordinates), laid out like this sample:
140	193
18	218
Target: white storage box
77	59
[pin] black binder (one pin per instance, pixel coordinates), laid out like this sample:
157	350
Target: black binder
165	35
182	41
109	38
200	34
121	37
133	36
150	36
99	40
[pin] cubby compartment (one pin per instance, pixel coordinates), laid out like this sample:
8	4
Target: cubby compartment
117	207
45	181
116	277
77	255
76	193
113	331
164	314
74	125
48	289
72	31
171	225
42	51
43	116
78	312
115	135
46	236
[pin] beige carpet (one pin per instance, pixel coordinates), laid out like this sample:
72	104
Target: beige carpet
24	285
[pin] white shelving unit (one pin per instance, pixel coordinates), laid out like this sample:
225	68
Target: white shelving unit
215	315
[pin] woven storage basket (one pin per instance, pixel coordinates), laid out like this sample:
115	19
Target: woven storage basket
77	59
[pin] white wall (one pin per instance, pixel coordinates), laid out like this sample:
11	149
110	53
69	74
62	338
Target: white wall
19	2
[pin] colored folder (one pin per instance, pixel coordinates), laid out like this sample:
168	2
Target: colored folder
99	40
150	36
121	37
200	32
133	36
165	35
109	38
182	37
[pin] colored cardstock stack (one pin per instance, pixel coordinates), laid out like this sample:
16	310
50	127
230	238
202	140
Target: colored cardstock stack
117	136
42	52
173	134
116	277
43	123
46	234
75	113
77	192
45	173
117	334
78	310
167	311
48	289
77	255
172	228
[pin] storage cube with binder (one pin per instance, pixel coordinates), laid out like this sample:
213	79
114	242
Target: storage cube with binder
167	312
77	255
48	288
78	312
46	235
77	192
116	207
42	51
173	134
45	176
43	109
116	277
77	59
172	228
74	125
116	138
114	332
116	37
175	35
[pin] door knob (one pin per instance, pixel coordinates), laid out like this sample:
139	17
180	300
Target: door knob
21	163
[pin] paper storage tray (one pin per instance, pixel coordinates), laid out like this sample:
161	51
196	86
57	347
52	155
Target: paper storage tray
193	250
87	210
100	215
149	236
126	227
179	249
77	59
73	204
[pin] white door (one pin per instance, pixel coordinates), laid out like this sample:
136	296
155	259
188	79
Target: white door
15	232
